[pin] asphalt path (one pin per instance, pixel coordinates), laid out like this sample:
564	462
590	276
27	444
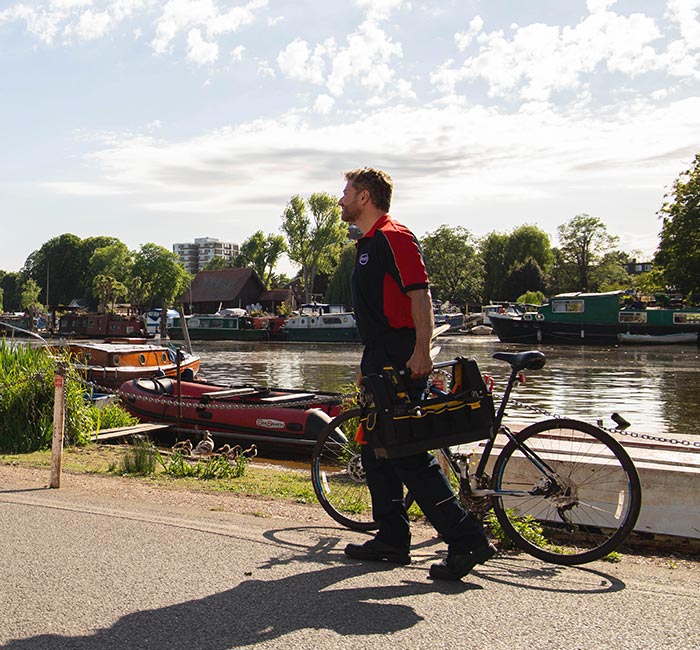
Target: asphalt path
83	572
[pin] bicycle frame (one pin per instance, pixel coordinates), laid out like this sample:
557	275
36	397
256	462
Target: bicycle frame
458	462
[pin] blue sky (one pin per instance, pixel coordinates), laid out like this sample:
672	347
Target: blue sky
162	121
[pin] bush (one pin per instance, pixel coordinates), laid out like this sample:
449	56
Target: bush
27	402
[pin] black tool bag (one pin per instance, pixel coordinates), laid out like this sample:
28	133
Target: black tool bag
395	426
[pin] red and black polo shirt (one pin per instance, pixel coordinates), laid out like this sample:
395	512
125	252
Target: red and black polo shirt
388	264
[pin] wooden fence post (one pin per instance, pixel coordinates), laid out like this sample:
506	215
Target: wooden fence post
59	420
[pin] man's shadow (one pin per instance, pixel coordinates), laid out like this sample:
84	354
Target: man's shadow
258	610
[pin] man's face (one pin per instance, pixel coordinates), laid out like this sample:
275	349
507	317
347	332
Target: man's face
350	204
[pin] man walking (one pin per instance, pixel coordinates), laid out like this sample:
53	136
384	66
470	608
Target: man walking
394	313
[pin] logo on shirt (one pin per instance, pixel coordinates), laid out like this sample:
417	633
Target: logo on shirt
364	258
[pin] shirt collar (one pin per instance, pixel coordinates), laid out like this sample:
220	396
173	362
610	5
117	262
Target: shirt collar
379	222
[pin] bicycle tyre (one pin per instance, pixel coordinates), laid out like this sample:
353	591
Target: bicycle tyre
337	475
601	493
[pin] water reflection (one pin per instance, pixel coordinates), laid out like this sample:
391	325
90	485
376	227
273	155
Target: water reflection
656	389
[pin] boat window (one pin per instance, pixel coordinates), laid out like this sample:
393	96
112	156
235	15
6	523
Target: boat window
331	320
686	317
115	360
568	306
142	359
163	357
633	317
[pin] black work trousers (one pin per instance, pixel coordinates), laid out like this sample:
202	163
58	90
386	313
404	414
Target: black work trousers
420	473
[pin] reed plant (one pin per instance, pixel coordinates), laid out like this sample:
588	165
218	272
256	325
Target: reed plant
27	401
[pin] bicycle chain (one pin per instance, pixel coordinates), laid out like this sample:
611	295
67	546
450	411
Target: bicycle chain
631	434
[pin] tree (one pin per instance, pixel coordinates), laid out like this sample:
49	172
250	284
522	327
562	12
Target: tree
217	264
493	249
339	289
11	285
314	242
454	265
678	253
115	260
523	277
30	297
262	253
162	273
108	290
531	242
584	241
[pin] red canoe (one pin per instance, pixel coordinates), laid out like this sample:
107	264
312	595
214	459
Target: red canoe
248	412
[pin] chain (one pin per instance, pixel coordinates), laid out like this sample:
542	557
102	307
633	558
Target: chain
315	401
631	434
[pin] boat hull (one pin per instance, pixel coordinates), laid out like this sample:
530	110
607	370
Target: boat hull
110	364
249	413
520	330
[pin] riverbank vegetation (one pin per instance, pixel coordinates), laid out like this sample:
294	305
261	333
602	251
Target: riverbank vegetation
27	402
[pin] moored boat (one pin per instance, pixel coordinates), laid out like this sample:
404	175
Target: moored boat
249	412
101	326
321	322
221	327
111	363
598	318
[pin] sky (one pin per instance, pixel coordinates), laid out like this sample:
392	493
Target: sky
163	121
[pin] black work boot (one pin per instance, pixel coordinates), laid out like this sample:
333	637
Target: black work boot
459	565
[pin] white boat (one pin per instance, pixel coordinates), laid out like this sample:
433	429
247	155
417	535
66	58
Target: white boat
658	339
321	322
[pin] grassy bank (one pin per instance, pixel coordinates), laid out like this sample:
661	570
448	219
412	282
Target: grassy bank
259	478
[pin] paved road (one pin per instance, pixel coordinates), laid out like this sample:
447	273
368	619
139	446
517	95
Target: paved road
85	572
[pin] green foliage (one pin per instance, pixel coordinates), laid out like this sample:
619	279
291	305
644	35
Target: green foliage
613	557
339	290
532	298
217	264
11	285
454	265
527	526
216	467
584	241
523	276
262	253
108	290
678	253
27	401
314	242
141	459
160	270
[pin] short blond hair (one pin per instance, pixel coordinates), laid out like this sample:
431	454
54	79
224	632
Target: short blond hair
377	182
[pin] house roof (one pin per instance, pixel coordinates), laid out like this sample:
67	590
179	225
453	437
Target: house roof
276	295
222	285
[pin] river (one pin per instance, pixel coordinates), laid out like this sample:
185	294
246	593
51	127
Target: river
656	389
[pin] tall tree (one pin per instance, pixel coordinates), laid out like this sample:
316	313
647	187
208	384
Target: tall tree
339	290
11	284
454	265
678	253
115	260
523	277
529	242
314	241
493	249
262	253
161	271
584	241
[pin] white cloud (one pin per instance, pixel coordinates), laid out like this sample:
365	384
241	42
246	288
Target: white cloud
297	61
380	9
92	25
536	60
237	53
200	51
323	104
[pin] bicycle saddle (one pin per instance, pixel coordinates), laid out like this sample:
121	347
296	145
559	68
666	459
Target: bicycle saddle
532	359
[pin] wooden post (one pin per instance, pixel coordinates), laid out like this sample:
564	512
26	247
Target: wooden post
59	419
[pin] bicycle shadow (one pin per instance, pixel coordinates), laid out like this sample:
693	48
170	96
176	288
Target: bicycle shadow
259	610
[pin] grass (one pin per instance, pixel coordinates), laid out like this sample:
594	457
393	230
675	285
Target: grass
95	458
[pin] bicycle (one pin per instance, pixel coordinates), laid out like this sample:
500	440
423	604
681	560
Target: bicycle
562	490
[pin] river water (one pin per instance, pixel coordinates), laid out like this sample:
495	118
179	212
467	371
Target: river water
656	389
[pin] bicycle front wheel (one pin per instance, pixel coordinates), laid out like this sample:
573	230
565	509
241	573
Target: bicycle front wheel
338	476
580	511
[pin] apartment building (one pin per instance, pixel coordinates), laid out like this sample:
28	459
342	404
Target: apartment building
195	255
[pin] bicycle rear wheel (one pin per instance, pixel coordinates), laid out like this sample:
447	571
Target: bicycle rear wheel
338	476
581	514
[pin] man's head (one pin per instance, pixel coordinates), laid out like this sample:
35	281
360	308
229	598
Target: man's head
376	182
